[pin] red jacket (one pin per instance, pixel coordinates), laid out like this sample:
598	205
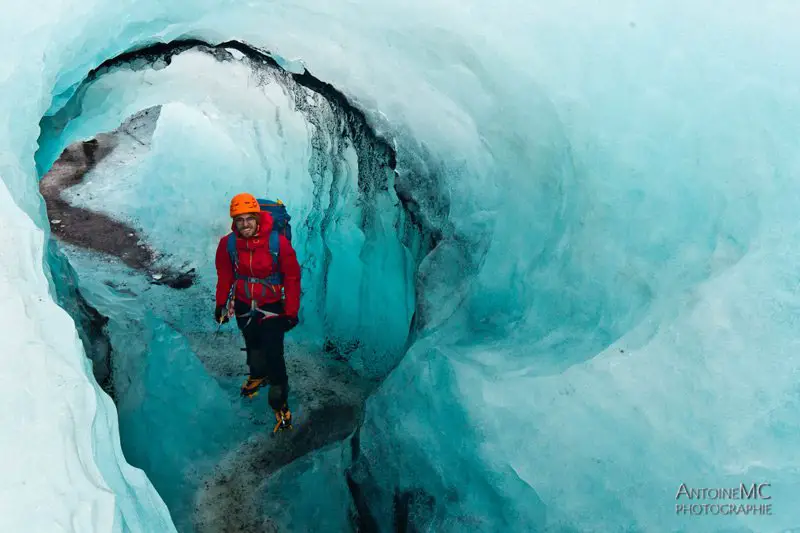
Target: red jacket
256	261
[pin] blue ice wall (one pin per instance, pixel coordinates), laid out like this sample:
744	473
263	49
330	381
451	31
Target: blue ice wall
176	419
353	240
263	132
611	310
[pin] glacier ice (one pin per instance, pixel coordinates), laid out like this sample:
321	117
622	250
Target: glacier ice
138	174
250	127
60	440
608	312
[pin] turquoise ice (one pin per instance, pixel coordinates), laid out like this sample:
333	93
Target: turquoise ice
610	311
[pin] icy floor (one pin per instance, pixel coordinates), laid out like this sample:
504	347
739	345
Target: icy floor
327	403
327	406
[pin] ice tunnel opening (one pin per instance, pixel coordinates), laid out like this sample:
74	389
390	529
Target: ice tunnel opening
137	167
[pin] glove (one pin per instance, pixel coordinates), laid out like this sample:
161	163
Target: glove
289	323
221	314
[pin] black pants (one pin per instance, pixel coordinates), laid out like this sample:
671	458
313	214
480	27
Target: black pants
263	340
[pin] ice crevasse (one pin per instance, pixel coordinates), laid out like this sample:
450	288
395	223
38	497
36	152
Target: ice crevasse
609	311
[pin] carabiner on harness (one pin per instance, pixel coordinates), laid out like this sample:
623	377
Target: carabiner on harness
254	311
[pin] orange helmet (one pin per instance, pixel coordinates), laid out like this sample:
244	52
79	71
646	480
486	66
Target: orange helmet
244	203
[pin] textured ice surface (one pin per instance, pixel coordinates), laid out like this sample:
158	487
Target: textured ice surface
181	418
223	127
621	233
62	463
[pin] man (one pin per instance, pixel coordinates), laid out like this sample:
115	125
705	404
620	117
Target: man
264	295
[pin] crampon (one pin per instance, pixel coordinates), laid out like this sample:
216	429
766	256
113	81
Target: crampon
251	386
283	420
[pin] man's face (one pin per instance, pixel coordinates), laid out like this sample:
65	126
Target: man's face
246	224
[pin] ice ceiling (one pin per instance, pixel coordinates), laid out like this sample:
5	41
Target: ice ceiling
580	295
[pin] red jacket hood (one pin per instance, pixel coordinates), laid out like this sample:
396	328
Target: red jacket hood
264	225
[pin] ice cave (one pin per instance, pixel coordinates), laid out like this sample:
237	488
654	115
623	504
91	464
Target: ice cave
547	265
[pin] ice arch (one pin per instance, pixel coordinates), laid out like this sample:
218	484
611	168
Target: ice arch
669	132
253	126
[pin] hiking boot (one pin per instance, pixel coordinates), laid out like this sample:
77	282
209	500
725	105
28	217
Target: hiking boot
251	386
284	420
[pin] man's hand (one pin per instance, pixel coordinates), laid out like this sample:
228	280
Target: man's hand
221	314
289	323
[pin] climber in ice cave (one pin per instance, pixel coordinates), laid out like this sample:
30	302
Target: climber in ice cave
258	282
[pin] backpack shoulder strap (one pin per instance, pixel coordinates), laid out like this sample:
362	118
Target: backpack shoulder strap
274	247
232	248
276	278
